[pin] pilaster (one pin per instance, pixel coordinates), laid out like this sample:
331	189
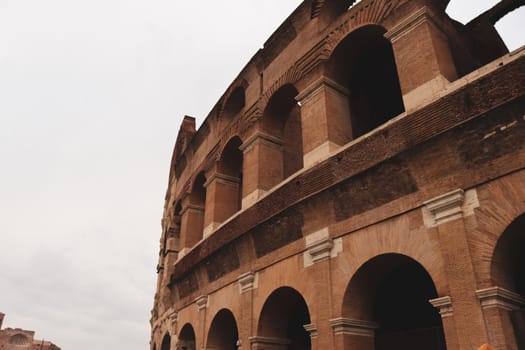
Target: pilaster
446	214
325	118
498	304
262	166
353	334
426	68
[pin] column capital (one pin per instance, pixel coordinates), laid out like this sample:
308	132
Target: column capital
173	315
409	23
222	178
350	326
312	329
315	87
261	136
247	281
191	207
497	297
261	342
444	305
320	246
449	206
202	302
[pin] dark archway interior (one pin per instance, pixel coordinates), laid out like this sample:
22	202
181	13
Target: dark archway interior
508	270
393	291
223	332
234	104
198	192
166	342
364	63
403	312
186	338
282	119
284	316
175	227
231	164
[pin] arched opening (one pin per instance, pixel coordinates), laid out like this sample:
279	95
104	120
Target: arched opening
390	294
166	342
193	213
19	340
233	105
283	318
282	120
332	9
223	334
229	199
364	64
154	346
186	338
508	271
172	238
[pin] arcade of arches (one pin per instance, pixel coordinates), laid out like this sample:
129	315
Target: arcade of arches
387	304
359	185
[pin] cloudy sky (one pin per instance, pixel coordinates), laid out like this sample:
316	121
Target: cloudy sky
91	97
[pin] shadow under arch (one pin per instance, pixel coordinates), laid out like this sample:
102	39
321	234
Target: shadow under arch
388	299
192	221
223	333
282	120
508	272
166	342
186	339
363	64
282	320
230	167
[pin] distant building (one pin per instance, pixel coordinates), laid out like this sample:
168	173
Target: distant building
22	339
359	186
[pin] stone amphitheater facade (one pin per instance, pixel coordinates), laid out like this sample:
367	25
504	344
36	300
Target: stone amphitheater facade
359	185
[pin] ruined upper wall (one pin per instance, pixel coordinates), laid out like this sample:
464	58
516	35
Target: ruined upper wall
301	51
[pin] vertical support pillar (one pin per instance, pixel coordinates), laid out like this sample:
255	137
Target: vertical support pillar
319	250
202	305
353	334
192	219
498	304
247	284
222	200
446	214
262	166
267	343
444	305
325	119
173	317
427	67
314	339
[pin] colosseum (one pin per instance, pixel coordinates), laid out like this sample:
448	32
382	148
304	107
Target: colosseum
359	185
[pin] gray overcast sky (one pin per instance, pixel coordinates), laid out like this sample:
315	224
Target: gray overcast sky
91	98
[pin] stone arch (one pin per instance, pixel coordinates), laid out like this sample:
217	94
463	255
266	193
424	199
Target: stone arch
508	272
328	10
364	67
186	339
166	342
281	121
233	105
19	340
230	169
223	333
373	13
282	320
387	301
193	211
290	77
172	237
